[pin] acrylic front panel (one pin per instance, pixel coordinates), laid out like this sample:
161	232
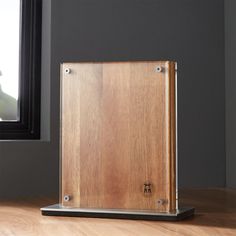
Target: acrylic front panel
118	140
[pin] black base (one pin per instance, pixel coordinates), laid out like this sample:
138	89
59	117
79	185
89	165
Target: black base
58	210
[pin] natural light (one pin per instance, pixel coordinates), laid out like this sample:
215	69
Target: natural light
9	46
9	58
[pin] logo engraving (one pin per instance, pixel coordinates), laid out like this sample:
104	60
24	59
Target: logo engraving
147	188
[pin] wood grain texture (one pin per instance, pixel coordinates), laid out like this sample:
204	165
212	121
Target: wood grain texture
70	144
215	216
118	132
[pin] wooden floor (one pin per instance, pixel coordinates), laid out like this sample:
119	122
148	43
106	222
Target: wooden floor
215	215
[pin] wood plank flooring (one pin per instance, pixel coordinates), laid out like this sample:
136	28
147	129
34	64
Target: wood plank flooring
215	215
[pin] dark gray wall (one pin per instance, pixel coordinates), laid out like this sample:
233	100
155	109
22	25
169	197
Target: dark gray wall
230	81
188	31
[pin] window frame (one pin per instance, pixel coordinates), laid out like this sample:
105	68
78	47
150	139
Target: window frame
28	126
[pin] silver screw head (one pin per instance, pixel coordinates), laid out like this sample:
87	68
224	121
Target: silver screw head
66	198
67	70
161	202
159	69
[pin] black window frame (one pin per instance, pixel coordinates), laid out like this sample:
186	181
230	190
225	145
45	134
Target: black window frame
28	126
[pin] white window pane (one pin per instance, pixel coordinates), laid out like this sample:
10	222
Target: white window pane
9	58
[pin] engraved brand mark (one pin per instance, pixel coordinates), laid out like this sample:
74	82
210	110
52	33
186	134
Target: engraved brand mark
147	188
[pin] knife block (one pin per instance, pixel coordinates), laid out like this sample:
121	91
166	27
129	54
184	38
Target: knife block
118	146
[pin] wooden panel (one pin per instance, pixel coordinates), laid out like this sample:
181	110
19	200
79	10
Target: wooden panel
118	134
116	160
70	137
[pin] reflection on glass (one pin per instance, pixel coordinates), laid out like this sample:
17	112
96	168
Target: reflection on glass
9	59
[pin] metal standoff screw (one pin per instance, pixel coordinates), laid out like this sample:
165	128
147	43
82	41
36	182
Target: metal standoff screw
67	70
161	201
158	69
66	198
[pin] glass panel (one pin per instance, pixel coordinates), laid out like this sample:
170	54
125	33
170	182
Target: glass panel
125	136
9	59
